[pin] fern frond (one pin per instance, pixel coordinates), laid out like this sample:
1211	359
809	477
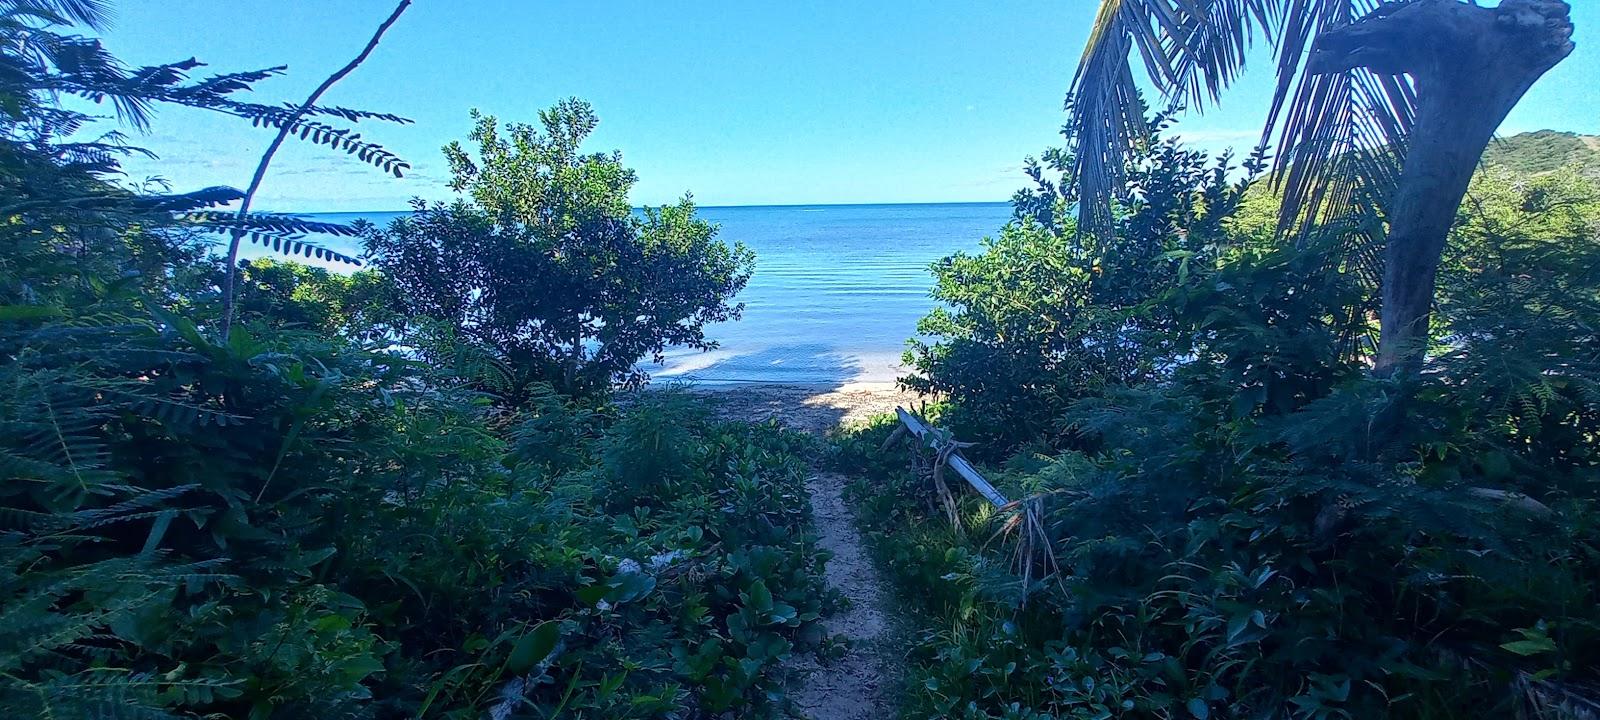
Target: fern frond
268	222
333	137
281	233
350	114
162	409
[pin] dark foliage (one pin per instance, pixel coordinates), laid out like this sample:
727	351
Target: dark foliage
1045	314
1254	526
300	521
545	267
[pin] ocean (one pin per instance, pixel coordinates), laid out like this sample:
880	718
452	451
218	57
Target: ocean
837	289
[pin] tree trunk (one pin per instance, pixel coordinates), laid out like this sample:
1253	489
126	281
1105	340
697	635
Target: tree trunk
1470	65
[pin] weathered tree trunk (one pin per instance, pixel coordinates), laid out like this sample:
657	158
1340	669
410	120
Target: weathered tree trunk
1471	65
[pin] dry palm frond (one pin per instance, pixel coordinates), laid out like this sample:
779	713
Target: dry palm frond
1342	134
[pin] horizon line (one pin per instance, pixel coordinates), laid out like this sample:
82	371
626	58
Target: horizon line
699	206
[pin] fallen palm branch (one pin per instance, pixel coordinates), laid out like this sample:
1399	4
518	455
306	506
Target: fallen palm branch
1034	550
950	452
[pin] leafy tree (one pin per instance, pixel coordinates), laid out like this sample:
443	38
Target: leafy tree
289	295
286	523
1388	112
545	266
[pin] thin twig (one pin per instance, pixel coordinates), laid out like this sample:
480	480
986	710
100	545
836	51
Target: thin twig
287	125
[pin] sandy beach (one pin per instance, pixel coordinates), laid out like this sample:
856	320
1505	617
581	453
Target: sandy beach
811	408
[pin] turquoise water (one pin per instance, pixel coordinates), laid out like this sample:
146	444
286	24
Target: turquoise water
837	289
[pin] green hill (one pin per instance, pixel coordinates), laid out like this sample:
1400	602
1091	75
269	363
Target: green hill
1545	151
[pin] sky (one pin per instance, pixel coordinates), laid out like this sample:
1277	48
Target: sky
739	103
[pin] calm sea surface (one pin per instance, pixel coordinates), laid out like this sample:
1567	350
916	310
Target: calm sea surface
837	289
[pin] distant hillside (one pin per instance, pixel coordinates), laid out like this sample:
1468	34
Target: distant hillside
1544	151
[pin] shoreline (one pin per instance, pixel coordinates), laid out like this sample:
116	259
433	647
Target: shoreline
816	408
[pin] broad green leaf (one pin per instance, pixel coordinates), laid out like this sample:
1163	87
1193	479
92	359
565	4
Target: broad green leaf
759	598
534	646
1535	646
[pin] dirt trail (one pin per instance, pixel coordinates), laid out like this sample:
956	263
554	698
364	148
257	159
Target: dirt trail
859	685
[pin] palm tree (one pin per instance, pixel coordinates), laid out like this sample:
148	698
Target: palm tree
1389	111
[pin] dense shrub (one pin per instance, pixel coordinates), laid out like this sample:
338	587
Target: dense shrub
283	526
286	523
288	295
545	267
1043	315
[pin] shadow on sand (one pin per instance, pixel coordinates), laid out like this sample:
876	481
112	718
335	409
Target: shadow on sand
805	387
813	365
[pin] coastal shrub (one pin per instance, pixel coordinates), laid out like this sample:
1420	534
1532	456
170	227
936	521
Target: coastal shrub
283	525
678	601
289	295
280	526
1042	315
544	265
1260	527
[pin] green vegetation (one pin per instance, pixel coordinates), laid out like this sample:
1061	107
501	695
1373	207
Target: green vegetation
1240	520
409	492
1545	151
1042	316
611	287
307	519
1382	112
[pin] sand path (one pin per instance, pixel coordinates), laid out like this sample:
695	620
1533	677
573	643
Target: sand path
860	685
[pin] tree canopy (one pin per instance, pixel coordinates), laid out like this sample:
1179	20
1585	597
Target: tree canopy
545	265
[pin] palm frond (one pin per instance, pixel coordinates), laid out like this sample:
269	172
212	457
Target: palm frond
1208	52
93	13
1191	49
1343	134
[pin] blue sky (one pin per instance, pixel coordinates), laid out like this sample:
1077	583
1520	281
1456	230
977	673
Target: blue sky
741	103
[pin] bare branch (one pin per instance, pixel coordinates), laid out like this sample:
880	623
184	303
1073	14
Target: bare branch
238	234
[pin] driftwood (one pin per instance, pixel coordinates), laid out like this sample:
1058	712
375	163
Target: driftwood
952	458
894	437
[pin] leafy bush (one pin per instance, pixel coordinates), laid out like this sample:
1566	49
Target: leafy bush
288	295
1043	314
281	527
678	600
545	267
